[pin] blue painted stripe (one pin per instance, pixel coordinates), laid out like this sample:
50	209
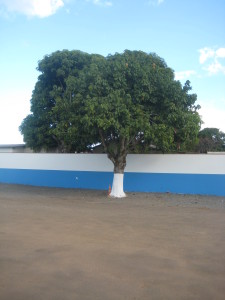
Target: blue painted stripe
50	178
205	184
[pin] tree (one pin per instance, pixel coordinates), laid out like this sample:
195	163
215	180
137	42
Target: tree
43	129
126	102
210	139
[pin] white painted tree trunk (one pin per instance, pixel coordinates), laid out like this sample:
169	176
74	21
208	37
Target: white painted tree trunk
117	187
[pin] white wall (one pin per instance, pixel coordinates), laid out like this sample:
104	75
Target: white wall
176	163
52	161
140	163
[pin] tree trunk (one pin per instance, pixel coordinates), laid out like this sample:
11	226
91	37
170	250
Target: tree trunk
117	186
117	153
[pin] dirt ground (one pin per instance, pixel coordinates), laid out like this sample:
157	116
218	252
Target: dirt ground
64	244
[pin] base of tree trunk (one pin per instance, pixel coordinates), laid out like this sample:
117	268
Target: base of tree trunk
117	187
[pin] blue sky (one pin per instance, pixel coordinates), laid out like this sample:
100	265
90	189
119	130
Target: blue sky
189	35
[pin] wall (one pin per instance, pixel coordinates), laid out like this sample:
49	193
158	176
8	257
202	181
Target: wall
176	173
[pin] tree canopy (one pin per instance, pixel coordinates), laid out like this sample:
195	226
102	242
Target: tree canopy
210	139
127	102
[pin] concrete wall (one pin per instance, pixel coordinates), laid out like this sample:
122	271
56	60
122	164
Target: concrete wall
176	173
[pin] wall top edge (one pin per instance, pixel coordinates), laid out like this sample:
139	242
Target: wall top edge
105	154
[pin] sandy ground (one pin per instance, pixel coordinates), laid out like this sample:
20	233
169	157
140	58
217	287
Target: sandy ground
66	244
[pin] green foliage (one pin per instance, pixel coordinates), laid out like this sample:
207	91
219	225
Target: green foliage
210	139
128	102
52	123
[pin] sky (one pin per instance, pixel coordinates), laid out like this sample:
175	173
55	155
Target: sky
188	34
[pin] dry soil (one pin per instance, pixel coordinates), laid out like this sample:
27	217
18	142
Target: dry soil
64	244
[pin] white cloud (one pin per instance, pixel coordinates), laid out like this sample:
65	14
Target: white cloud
155	2
205	54
220	52
215	68
211	60
100	2
108	3
184	74
31	8
15	106
212	116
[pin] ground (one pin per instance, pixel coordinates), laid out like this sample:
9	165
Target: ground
66	244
